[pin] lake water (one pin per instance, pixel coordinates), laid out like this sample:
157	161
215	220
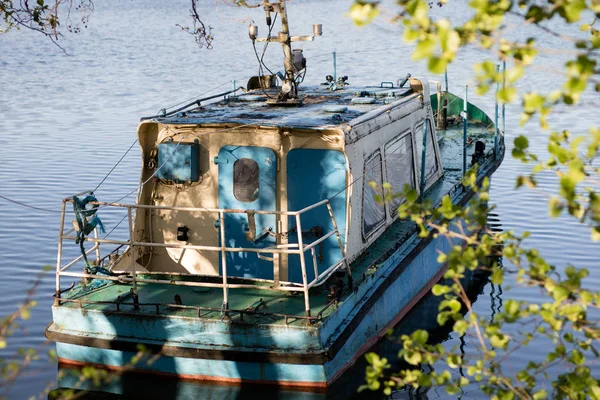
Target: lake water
65	120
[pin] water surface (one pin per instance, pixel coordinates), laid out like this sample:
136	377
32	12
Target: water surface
66	119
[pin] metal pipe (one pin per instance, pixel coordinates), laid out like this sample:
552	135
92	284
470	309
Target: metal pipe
191	246
319	240
59	253
194	209
303	266
446	78
496	116
314	258
423	156
465	121
503	104
326	274
340	243
223	261
334	67
204	209
195	102
69	265
305	209
131	252
97	246
182	283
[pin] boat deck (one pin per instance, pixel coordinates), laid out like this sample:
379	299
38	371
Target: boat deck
259	306
250	305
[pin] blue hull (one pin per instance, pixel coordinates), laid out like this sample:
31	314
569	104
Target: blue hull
395	287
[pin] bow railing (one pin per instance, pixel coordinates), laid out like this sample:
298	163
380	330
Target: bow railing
107	261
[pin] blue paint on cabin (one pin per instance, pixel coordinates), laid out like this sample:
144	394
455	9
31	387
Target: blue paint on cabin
314	175
178	161
248	180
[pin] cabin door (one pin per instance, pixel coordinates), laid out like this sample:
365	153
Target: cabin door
247	181
314	175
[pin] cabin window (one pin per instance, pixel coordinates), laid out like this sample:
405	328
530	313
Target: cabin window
373	211
399	167
245	180
431	166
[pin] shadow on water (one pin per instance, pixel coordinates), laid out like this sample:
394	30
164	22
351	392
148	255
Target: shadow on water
423	316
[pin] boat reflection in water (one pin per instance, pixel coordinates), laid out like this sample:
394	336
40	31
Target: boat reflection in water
126	385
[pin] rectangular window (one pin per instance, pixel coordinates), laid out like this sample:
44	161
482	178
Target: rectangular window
373	211
399	167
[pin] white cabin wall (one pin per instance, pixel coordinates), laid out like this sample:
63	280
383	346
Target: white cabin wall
375	131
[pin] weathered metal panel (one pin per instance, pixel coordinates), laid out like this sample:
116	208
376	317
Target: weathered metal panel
205	334
224	370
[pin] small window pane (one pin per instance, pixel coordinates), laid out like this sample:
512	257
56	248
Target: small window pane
245	180
400	168
373	211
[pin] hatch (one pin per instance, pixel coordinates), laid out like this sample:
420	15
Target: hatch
247	181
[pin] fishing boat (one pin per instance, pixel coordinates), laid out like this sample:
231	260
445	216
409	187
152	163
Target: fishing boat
260	246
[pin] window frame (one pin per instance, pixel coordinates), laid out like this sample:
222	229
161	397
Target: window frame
234	181
419	125
379	224
393	211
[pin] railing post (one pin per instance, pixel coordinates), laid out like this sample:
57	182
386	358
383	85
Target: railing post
98	257
334	67
315	265
131	251
339	238
503	104
59	253
224	263
302	265
423	157
465	121
446	78
496	116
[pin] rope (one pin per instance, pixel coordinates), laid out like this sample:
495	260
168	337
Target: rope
115	166
115	227
28	206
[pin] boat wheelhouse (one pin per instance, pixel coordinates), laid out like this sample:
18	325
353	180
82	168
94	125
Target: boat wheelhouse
257	249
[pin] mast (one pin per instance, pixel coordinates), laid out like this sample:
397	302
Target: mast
293	62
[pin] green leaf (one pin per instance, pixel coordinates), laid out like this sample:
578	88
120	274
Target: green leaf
460	327
439	290
511	307
437	65
363	14
521	142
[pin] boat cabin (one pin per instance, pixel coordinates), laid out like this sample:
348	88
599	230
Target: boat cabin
259	164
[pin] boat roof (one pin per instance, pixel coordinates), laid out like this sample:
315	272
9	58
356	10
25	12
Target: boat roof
320	107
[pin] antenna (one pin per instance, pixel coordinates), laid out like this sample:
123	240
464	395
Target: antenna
293	61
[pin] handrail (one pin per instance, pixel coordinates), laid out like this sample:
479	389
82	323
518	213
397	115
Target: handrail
132	277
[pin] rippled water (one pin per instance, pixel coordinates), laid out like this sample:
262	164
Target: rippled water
66	119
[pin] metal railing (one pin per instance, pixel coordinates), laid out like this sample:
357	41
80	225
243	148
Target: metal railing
131	244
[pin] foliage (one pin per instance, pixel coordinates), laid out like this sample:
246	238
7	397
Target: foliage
17	359
561	315
47	16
